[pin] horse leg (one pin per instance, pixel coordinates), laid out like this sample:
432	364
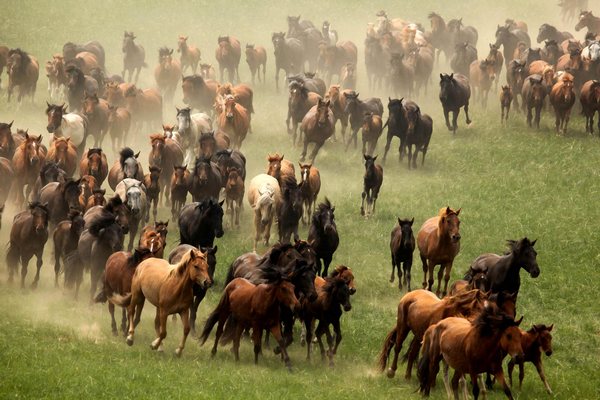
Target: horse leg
447	270
319	333
305	148
538	112
529	116
124	321
326	262
315	151
454	383
500	379
475	383
308	336
276	332
113	322
56	266
338	338
185	320
24	264
413	354
407	266
446	112
387	146
162	334
401	334
393	270
424	261
409	155
440	275
193	313
540	369
362	204
445	379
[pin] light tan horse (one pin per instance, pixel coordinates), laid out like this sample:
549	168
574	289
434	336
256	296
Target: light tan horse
234	120
439	242
170	289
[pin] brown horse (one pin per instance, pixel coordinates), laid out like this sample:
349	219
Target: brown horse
179	189
333	57
506	98
534	341
300	101
97	112
190	55
234	120
256	307
372	181
57	78
590	103
371	131
145	106
6	178
167	73
482	75
439	243
7	140
64	153
198	92
234	194
256	56
562	98
96	199
65	238
310	185
589	21
119	122
402	247
228	54
417	311
23	71
207	71
281	169
133	56
115	93
153	189
213	142
469	348
26	162
28	235
337	96
318	125
165	154
533	94
496	59
93	162
61	198
169	288
242	93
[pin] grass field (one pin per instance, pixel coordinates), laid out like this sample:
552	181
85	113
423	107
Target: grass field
510	182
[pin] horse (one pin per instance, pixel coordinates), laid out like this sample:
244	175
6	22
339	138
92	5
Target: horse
133	57
323	236
8	144
590	103
167	73
562	98
23	71
533	94
502	272
338	107
63	124
496	59
230	158
334	56
402	74
421	58
97	112
64	153
333	296
133	193
300	101
515	77
506	98
234	194
256	56
470	348
70	50
228	54
348	76
65	238
535	341
200	222
356	109
49	172
460	33
310	81
439	37
242	93
289	55
482	75
57	77
169	288
119	122
190	128
27	160
87	185
418	133
310	185
402	247
60	198
115	93
551	52
190	55
199	92
374	56
28	235
78	85
549	32
205	180
255	306
179	189
372	181
234	120
145	106
93	162
96	199
264	197
397	124
6	178
455	93
464	55
153	188
509	39
418	310
439	243
165	154
589	21
127	166
317	125
290	211
207	72
329	35
281	169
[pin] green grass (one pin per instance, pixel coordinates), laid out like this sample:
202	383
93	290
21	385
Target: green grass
509	181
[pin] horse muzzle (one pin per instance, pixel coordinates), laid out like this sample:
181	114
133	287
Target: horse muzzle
219	233
50	128
347	307
549	353
456	238
229	116
352	290
535	272
329	228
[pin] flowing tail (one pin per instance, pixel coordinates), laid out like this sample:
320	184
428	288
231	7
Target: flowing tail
12	258
429	364
388	344
117	299
73	267
213	318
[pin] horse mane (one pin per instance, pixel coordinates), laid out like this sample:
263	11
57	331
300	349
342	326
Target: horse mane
157	136
124	154
25	58
101	221
443	212
339	270
69	184
181	266
94	150
196	80
112	204
137	256
164	51
48	164
491	320
36	204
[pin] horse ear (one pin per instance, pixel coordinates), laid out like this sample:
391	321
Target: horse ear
441	76
214	250
458	211
398	220
365	157
412	221
533	243
550	328
375	158
192	254
39	139
137	155
103	191
518	322
221	203
452	75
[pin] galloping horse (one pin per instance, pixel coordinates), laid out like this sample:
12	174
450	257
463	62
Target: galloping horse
228	54
190	55
133	58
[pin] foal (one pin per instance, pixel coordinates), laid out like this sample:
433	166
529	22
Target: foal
506	97
402	246
535	341
372	183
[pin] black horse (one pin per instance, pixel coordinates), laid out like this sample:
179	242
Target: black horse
323	235
420	128
402	247
502	272
397	124
201	222
289	213
455	93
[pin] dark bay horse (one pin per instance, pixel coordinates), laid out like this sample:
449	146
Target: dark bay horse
65	238
509	39
300	101
289	55
549	32
28	235
533	94
397	124
70	51
455	92
201	222
356	109
153	189
323	235
418	134
289	212
179	189
23	71
133	57
590	103
94	163
228	54
61	198
402	247
205	181
318	125
78	86
372	181
439	243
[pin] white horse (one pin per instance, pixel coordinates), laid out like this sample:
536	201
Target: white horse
133	193
591	52
190	127
264	196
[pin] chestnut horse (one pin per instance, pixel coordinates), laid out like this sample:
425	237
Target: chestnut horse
167	74
256	56
590	103
318	125
562	98
228	54
96	199
64	153
506	98
281	169
234	120
234	194
310	185
439	243
534	341
133	58
119	122
256	307
371	131
26	162
153	189
190	55
93	162
165	154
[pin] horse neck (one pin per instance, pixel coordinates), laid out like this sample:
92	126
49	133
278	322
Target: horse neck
486	348
264	301
183	284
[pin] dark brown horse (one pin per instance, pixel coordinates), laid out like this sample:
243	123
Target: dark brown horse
165	154
23	71
256	56
49	172
93	162
65	238
26	162
234	195
318	125
78	85
418	134
310	185
506	98
153	189
300	101
205	180
323	236
179	189
28	235
464	55
533	94
228	54
97	112
509	38
198	92
455	93
7	140
589	21
590	103
439	243
61	198
133	57
289	55
190	54
402	247
356	110
372	181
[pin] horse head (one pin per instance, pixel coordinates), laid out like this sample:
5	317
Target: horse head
526	255
544	337
274	168
184	121
407	232
134	198
266	203
40	215
55	113
157	141
447	86
449	224
154	177
324	217
31	148
128	41
70	193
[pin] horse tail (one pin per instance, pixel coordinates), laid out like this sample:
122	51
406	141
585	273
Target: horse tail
73	267
386	124
101	297
230	275
425	373
388	344
213	318
117	299
12	257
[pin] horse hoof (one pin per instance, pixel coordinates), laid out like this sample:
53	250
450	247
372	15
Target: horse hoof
390	373
115	332
178	352
277	350
129	340
302	342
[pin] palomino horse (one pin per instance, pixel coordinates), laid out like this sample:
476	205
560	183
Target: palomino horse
228	54
318	125
234	120
256	307
372	181
133	58
439	243
26	163
310	185
256	56
93	162
28	235
190	55
64	153
167	73
264	197
169	288
69	125
23	71
323	235
402	247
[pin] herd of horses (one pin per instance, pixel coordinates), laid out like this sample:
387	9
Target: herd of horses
469	325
